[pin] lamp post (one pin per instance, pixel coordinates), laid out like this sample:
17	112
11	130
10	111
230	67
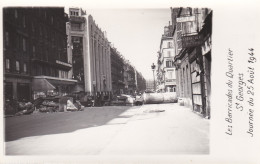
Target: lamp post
164	81
153	68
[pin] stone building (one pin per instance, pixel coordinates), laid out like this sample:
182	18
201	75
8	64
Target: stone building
166	79
129	78
191	32
117	72
91	59
35	52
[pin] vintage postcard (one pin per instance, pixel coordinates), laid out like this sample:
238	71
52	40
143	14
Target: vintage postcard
113	82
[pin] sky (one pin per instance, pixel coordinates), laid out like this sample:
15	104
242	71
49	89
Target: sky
136	33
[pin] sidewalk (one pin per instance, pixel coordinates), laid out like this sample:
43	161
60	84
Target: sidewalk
178	130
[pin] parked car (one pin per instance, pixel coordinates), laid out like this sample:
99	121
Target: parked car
128	99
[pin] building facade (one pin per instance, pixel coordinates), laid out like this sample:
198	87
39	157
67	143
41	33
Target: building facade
89	50
35	52
130	78
140	82
166	79
117	72
190	32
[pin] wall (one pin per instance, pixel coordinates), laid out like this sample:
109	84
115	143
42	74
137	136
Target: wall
184	81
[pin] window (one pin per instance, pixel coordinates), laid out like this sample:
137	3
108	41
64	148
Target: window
168	63
74	13
33	49
17	66
62	74
170	74
75	26
25	68
24	44
169	44
7	38
7	64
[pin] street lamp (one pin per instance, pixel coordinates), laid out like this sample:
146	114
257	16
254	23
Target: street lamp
153	68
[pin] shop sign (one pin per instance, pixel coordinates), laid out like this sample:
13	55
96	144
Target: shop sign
186	19
170	82
191	41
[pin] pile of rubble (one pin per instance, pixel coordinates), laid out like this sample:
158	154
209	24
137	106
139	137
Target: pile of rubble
42	105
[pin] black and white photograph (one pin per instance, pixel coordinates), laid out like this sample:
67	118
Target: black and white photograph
69	89
171	81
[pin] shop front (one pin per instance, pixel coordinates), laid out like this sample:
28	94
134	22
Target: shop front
43	86
197	81
200	65
200	62
170	85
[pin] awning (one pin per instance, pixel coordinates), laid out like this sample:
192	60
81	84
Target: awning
41	85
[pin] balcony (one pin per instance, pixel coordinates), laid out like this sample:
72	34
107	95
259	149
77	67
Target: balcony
75	28
77	19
